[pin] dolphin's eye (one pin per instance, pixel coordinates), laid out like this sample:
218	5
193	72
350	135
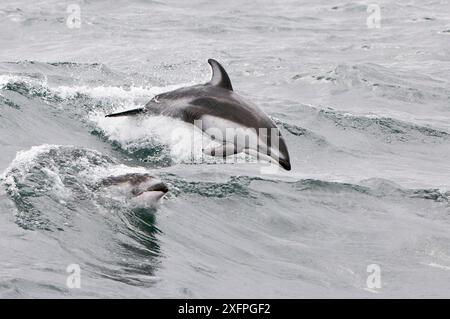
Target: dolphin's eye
136	191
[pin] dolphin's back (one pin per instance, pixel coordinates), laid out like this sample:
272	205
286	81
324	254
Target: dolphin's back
193	103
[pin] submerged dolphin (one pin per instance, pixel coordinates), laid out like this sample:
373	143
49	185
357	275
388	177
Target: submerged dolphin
217	110
140	189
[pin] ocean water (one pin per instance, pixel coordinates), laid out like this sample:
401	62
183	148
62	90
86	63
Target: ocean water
364	109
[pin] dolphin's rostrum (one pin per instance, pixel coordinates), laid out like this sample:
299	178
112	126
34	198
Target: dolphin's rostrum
219	109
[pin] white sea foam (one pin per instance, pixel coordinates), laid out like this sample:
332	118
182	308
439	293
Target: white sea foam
184	140
25	159
9	78
112	92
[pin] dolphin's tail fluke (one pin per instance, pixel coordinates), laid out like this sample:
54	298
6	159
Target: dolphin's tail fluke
128	113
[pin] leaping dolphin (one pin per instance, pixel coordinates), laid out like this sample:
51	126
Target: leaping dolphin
216	109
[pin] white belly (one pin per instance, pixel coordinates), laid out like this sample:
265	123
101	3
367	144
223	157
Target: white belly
229	132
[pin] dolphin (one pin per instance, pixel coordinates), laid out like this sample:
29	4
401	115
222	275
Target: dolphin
217	110
142	190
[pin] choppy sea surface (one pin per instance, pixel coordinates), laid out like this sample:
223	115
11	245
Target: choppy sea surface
365	112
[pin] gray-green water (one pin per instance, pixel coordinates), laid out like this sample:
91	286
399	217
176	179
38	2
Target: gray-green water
365	113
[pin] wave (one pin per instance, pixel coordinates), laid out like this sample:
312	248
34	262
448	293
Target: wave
300	131
157	140
51	70
30	89
67	174
63	178
375	187
247	187
386	82
8	102
235	186
384	128
57	191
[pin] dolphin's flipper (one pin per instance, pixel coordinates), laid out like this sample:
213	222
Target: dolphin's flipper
221	150
219	77
127	113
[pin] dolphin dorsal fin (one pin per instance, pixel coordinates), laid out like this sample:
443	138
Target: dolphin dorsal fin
219	76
